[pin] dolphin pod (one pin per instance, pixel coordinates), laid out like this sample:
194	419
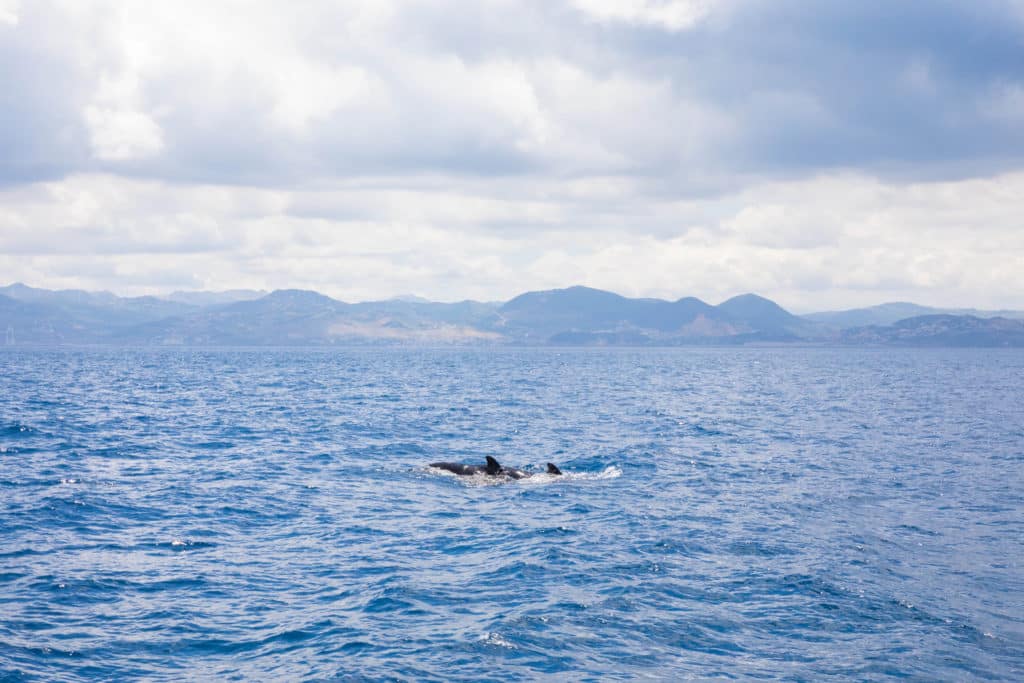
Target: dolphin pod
492	468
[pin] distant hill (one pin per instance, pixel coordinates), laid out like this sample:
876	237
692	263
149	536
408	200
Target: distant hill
767	318
584	315
571	316
104	306
940	330
537	316
76	316
279	318
301	317
889	313
37	323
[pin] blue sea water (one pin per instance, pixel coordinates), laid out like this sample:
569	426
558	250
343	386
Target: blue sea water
774	513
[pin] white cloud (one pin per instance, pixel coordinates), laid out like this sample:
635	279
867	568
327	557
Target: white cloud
822	242
673	15
9	12
122	135
306	92
369	149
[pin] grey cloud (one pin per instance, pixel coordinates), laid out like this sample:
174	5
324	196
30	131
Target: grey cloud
41	132
778	87
894	84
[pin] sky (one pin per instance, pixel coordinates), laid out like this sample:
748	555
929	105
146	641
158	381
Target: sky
823	154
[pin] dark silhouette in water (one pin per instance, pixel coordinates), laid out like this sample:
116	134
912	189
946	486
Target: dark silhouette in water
492	468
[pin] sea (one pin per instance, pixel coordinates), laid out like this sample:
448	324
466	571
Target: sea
776	513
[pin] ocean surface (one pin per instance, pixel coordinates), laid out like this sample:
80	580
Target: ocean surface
773	513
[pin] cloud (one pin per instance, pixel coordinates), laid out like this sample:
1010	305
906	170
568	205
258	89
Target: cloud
842	151
673	15
9	12
846	239
119	134
187	92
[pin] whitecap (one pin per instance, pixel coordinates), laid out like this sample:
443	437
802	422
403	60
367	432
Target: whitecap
610	472
496	639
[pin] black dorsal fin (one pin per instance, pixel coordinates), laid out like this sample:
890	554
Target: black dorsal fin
553	469
493	466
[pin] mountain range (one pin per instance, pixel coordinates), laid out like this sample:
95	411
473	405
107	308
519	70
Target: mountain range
573	316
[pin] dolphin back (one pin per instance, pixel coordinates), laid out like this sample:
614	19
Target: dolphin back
493	468
457	467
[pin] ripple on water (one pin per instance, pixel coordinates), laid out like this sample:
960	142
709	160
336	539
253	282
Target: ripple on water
795	514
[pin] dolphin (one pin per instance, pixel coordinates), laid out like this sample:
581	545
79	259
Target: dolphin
492	468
